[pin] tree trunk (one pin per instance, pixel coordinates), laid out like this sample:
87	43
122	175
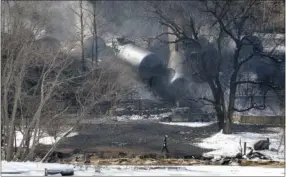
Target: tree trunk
220	117
26	135
95	34
36	138
92	51
11	128
232	91
82	36
227	129
220	109
8	71
26	145
60	140
228	119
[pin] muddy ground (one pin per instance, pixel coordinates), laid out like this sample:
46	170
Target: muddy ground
133	138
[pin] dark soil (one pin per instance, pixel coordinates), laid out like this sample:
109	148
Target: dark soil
130	139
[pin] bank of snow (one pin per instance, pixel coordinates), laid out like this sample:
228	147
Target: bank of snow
228	145
189	124
37	169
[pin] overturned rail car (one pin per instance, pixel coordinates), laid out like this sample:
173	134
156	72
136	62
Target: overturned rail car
168	82
146	63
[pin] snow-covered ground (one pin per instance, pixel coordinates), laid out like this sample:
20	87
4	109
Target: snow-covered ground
228	145
189	124
37	169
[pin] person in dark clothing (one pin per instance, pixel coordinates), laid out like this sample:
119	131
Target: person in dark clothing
165	145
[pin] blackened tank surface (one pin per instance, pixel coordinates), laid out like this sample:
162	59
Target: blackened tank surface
178	88
146	62
161	49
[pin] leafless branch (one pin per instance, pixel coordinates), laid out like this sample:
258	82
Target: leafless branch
253	105
208	100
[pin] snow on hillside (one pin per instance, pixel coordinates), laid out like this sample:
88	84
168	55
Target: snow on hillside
228	145
37	169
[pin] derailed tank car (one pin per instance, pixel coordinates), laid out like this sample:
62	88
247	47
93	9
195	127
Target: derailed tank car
149	67
147	63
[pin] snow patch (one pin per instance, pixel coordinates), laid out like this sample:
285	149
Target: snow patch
37	169
45	139
228	145
189	124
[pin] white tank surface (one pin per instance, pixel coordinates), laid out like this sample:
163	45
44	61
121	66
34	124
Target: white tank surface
176	66
177	61
160	48
146	62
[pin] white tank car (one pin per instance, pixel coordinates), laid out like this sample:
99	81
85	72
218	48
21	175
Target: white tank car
177	69
146	62
177	60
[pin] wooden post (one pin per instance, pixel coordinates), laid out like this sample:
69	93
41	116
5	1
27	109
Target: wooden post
244	149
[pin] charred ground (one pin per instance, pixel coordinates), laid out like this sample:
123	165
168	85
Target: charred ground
137	138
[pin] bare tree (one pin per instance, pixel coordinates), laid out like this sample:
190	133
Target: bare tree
78	10
16	47
234	21
98	26
99	86
21	55
94	35
81	35
35	80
